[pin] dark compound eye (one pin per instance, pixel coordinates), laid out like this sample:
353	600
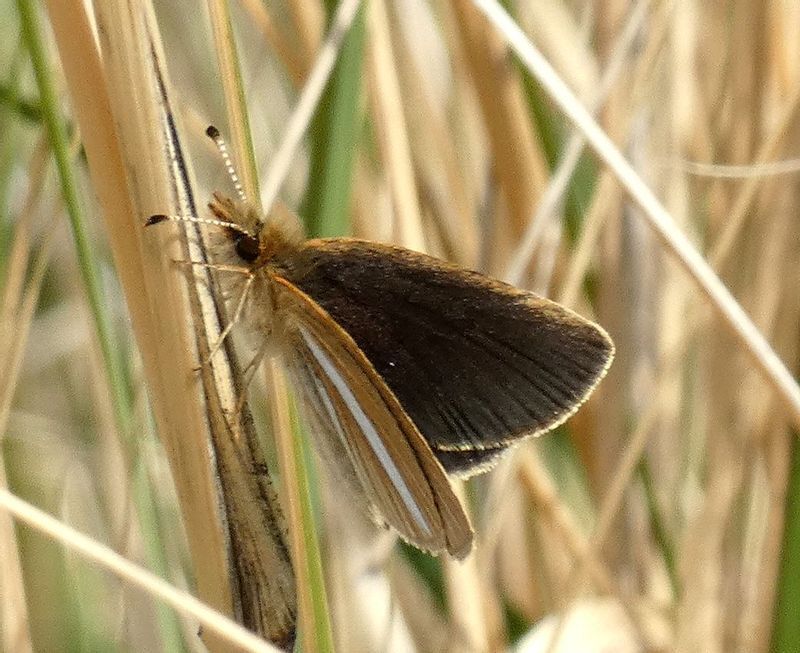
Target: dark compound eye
247	247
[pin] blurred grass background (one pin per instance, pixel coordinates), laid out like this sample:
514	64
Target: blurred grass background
431	135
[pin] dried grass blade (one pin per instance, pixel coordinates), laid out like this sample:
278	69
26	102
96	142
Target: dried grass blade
108	559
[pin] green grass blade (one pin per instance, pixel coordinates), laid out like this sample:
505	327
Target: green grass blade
323	634
786	619
333	135
88	263
661	534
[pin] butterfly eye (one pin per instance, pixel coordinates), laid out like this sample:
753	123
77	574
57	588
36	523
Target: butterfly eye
247	247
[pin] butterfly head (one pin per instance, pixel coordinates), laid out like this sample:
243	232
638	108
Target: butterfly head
256	241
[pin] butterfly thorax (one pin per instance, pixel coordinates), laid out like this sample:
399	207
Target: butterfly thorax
265	247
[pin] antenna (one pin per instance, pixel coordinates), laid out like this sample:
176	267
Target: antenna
160	217
213	133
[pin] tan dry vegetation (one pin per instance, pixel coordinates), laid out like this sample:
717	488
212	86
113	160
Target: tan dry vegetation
655	520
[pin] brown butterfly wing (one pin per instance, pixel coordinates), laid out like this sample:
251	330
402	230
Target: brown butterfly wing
360	422
476	364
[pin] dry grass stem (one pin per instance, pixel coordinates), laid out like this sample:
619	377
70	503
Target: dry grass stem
516	153
277	40
108	559
183	413
309	21
545	496
776	139
553	196
307	102
392	133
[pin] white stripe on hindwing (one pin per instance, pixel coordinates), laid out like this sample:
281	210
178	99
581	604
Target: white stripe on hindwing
366	426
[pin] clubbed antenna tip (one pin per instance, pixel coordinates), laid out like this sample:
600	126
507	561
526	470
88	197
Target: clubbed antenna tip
213	133
155	219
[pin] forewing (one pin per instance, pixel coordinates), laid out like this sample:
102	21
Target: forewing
476	364
367	433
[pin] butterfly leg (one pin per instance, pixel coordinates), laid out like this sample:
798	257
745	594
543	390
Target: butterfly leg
250	372
237	269
247	377
237	313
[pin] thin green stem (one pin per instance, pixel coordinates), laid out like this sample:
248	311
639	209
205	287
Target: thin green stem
87	261
786	618
8	149
660	531
30	110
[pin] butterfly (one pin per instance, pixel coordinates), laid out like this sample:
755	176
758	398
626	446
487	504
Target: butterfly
409	368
